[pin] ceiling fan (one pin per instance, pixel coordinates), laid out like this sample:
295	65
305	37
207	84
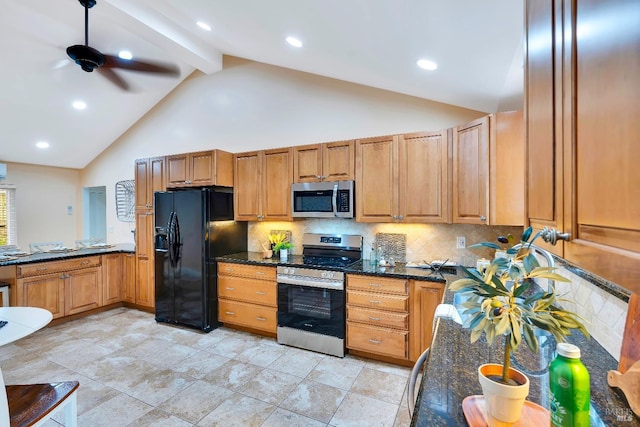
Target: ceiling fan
89	58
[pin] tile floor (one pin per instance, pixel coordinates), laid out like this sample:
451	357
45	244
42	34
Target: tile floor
135	372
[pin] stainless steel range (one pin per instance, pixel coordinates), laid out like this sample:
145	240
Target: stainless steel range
311	298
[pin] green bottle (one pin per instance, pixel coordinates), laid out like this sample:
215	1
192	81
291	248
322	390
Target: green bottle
570	389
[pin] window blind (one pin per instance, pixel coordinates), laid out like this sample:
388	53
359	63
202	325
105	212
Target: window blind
8	216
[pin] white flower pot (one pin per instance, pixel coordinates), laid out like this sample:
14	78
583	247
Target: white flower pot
503	402
283	254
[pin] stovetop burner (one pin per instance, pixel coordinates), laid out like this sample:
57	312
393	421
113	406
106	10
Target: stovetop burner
331	250
320	261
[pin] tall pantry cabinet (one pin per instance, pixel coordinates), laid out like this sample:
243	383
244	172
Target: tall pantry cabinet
583	132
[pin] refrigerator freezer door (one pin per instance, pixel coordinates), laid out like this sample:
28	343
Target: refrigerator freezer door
164	273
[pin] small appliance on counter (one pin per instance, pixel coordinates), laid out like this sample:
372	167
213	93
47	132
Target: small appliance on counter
193	227
311	299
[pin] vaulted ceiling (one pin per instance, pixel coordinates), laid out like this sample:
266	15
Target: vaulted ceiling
476	44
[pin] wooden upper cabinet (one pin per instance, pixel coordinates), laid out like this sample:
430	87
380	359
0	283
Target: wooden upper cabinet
263	185
471	172
377	179
332	161
488	170
543	118
149	177
424	177
200	169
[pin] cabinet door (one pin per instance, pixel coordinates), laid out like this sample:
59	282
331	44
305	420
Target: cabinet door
307	163
424	177
145	285
602	180
112	278
425	297
83	290
543	89
201	168
247	186
177	170
377	179
276	184
471	172
129	286
142	184
158	179
338	161
144	233
43	291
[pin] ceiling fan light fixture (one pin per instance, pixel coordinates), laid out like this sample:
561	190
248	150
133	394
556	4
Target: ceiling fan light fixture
86	57
427	64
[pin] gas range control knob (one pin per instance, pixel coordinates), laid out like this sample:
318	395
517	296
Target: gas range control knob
291	271
324	274
285	270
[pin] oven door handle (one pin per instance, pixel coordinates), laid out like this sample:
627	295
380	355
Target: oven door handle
334	200
331	285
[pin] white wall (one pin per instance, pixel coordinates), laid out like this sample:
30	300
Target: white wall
43	194
250	105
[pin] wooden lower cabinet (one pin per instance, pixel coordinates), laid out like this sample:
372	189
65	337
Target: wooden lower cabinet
112	278
377	315
145	283
247	296
425	297
62	287
129	285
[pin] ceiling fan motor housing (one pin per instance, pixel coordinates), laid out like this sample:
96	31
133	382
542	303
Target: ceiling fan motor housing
86	57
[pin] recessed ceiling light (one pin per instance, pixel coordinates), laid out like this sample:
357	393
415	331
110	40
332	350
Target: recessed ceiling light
125	54
294	41
43	145
204	25
427	65
79	105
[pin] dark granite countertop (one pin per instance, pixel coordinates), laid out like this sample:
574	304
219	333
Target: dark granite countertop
450	375
57	256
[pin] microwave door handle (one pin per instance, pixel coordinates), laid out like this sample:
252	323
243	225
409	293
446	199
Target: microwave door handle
335	200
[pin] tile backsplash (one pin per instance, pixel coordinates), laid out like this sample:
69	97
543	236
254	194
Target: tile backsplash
423	241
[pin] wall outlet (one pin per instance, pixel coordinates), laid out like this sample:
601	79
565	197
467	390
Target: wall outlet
461	242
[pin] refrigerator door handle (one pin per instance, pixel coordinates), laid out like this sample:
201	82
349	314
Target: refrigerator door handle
177	239
171	238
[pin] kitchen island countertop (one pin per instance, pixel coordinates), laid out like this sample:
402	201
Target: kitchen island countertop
57	256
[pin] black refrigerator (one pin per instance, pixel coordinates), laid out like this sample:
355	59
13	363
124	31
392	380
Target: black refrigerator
192	228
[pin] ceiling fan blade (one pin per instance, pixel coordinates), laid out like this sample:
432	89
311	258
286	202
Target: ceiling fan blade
114	78
164	68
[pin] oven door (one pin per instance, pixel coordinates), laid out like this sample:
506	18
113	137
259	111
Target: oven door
311	309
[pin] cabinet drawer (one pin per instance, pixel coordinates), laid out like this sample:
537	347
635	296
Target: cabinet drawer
378	301
250	315
384	341
245	270
40	268
248	290
378	318
378	284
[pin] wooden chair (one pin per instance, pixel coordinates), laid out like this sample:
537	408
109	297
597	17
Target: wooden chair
34	404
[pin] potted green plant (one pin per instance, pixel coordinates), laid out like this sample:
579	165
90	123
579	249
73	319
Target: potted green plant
497	303
283	248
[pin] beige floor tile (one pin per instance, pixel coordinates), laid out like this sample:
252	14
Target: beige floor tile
296	362
400	371
161	352
270	386
196	401
402	418
336	372
232	374
262	354
283	418
238	411
158	385
76	353
315	400
199	364
38	371
159	418
234	344
119	372
90	394
380	385
362	411
118	411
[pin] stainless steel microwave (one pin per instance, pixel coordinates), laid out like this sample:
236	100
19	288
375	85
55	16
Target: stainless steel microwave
323	199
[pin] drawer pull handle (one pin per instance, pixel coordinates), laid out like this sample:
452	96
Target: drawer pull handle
230	289
375	285
260	293
231	313
262	319
260	273
42	268
228	269
377	319
377	342
374	301
84	263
